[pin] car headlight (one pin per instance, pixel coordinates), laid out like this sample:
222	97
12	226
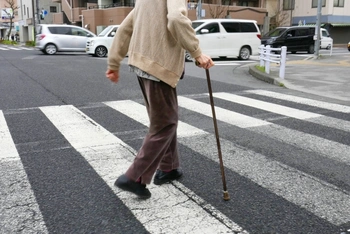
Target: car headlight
91	43
270	41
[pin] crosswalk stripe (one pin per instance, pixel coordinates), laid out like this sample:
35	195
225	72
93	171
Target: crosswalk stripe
230	117
17	196
289	183
278	109
319	197
8	149
14	48
137	112
109	156
287	111
2	48
301	100
322	146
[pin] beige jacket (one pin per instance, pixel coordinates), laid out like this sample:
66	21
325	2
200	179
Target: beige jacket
155	35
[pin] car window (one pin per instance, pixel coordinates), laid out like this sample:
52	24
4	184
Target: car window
104	31
291	32
79	32
248	27
60	30
213	28
231	27
276	32
302	32
196	24
324	33
113	31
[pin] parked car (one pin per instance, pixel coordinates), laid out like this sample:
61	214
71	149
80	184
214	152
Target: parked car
295	38
349	46
53	38
326	40
221	38
99	46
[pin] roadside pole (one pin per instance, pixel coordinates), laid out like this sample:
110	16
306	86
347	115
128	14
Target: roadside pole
317	36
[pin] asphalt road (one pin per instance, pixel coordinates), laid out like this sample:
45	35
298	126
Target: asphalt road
66	134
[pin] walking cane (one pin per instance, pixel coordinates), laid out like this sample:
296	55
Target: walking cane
226	195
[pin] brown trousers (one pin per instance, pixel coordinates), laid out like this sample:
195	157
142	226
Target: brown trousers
159	148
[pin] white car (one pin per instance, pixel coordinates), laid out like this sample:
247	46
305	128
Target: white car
99	46
53	38
326	40
221	38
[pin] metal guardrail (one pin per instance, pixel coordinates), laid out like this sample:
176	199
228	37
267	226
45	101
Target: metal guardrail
266	57
112	5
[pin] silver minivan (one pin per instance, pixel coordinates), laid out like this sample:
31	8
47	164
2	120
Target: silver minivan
53	38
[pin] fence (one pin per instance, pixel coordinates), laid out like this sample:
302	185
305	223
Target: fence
278	57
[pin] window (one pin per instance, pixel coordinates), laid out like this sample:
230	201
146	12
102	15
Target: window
302	32
53	9
248	27
315	3
24	9
60	30
338	3
213	28
79	32
231	27
288	5
243	3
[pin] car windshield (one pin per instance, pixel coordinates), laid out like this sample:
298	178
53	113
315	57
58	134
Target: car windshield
196	24
105	31
275	33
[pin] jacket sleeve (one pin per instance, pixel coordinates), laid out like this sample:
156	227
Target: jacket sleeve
120	44
180	27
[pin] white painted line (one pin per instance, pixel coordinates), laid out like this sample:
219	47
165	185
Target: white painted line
138	112
274	108
110	157
301	100
287	111
8	149
227	64
3	48
13	48
26	48
330	149
17	198
239	120
318	197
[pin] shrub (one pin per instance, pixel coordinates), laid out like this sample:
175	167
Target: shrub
30	43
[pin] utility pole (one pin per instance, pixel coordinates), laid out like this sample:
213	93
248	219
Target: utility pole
199	9
317	29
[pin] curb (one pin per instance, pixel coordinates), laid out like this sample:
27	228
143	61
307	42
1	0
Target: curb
271	78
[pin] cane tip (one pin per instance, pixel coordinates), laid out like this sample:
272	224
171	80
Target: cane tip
226	196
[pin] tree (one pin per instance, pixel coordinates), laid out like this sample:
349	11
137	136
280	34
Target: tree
280	18
217	11
12	7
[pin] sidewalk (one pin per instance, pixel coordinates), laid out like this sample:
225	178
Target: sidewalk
328	76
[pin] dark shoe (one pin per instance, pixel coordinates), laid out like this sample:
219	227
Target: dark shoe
134	187
162	177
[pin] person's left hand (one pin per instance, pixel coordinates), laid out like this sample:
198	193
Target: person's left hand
112	75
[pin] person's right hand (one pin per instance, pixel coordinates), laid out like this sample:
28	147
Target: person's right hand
204	61
112	75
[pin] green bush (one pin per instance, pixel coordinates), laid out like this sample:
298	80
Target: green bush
30	43
8	42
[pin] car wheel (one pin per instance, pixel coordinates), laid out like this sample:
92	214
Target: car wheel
101	51
188	57
244	54
311	49
50	49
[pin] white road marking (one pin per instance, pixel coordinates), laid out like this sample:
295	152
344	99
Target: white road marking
324	200
287	111
17	199
301	100
138	112
330	149
110	157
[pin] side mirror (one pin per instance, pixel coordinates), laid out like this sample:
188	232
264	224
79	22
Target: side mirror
112	34
204	31
289	35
